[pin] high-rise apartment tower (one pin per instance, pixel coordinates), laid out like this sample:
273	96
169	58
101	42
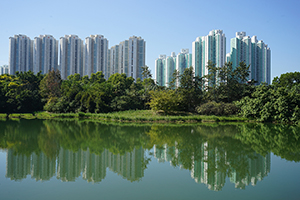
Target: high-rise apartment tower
20	54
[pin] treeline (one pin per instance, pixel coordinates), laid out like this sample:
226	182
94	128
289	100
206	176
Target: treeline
26	92
225	90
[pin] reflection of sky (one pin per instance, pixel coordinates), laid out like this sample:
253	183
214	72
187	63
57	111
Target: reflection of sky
160	181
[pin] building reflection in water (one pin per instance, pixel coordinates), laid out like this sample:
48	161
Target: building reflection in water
210	165
214	164
71	164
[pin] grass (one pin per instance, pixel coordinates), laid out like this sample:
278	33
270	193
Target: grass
131	116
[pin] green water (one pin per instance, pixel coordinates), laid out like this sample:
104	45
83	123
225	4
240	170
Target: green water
49	159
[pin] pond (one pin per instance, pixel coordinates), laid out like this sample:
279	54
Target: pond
71	159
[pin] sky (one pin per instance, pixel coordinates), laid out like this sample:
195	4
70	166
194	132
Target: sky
166	25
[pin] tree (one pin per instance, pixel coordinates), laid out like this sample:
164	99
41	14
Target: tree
50	85
287	80
271	103
226	83
174	80
167	101
210	82
146	72
191	89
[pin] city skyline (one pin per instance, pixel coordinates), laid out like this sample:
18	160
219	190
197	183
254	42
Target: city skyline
165	30
76	56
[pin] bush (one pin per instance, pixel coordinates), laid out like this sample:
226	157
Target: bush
219	109
81	114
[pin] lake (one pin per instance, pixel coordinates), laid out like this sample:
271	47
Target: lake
71	159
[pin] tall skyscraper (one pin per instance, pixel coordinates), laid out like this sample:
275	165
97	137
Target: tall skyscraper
20	54
114	60
252	52
71	55
166	66
208	48
45	54
95	55
183	61
136	56
160	70
170	67
128	57
123	57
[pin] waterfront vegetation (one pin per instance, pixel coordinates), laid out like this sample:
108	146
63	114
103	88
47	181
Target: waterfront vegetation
141	116
224	94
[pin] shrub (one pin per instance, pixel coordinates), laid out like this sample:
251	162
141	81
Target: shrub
81	114
219	109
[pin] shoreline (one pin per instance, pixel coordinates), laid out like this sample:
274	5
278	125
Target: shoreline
131	116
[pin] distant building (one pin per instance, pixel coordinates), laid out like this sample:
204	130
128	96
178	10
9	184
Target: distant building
208	48
95	55
183	61
45	54
136	56
71	55
128	57
123	57
4	69
114	60
170	67
20	54
252	52
166	66
160	70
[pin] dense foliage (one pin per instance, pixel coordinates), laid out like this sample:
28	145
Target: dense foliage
20	93
223	91
26	92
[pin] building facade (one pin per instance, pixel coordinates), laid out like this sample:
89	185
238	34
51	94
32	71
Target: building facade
114	60
160	70
95	55
45	54
166	66
170	67
4	69
254	53
127	57
183	60
20	54
71	56
208	48
136	56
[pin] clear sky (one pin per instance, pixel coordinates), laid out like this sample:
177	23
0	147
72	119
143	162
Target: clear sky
166	25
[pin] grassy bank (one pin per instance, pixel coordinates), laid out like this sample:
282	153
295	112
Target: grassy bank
141	116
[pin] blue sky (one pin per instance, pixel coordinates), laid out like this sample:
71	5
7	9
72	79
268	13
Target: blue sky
165	25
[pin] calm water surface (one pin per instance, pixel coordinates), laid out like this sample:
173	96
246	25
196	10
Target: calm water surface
48	159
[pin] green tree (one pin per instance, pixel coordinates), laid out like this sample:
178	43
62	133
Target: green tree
287	80
50	85
226	83
191	89
146	72
270	103
167	101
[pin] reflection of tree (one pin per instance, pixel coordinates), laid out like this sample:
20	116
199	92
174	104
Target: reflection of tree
257	167
282	140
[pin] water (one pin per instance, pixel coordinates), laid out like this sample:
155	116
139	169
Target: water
48	159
